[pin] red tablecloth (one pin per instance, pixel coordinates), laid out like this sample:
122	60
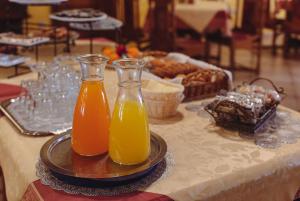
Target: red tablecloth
9	91
36	191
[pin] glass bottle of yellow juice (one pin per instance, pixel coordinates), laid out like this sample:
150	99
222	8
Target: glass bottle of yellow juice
129	139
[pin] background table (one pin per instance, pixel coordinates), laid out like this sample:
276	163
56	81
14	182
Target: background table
108	23
18	60
35	44
199	14
88	21
211	164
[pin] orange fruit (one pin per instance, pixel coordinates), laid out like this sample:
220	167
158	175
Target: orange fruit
108	51
133	52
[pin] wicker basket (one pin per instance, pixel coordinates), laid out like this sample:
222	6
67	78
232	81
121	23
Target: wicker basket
205	90
233	119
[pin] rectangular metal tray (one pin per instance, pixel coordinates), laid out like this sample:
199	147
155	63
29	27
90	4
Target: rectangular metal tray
249	128
3	108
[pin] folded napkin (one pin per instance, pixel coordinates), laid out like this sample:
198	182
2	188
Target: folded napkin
9	91
36	191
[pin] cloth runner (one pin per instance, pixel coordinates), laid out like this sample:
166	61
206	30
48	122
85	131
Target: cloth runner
36	191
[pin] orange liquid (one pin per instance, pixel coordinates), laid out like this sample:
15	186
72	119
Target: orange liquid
91	120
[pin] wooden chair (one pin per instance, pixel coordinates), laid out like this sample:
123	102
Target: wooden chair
160	31
276	24
292	28
11	16
161	25
248	36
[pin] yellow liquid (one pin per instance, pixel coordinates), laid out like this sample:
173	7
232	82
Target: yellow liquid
129	139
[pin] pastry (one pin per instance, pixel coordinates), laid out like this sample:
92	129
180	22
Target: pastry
156	54
203	76
170	69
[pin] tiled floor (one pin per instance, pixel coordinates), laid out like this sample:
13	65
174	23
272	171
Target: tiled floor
283	72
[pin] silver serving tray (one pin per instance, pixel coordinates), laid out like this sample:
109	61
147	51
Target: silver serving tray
26	42
20	127
37	2
8	60
70	167
78	19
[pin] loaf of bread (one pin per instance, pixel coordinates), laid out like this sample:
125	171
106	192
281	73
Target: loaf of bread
169	69
203	76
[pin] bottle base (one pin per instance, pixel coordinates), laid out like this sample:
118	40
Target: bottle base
89	154
129	164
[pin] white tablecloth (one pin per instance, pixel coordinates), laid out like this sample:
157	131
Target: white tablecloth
199	14
211	164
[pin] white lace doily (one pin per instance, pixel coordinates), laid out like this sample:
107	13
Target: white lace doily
160	172
282	129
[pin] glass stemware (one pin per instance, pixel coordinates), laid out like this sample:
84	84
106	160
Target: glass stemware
47	104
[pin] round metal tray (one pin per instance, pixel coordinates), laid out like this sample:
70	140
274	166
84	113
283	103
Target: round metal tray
77	19
70	167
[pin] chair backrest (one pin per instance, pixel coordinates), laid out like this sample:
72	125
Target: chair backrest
255	14
293	10
11	10
162	24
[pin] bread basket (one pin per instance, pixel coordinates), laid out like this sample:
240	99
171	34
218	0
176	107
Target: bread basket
161	98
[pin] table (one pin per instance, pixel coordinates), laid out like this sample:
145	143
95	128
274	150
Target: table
210	163
35	44
14	61
88	21
199	14
108	23
36	3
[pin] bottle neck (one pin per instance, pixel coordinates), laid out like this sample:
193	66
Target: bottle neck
130	91
92	78
130	85
90	72
92	67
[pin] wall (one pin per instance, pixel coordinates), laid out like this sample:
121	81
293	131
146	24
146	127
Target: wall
143	11
39	14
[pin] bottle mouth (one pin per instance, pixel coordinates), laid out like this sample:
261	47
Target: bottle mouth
129	63
92	58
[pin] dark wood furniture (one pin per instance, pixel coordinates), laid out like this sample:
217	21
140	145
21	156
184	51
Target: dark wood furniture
292	28
11	16
248	36
277	24
162	25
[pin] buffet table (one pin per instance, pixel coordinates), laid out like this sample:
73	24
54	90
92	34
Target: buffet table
210	163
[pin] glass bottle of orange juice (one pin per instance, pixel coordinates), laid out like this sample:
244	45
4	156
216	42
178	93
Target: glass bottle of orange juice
91	115
129	139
